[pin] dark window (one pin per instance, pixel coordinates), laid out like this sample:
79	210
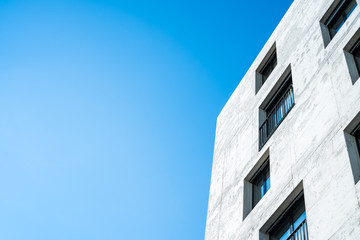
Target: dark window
352	56
260	183
352	140
356	134
256	183
355	51
268	67
291	225
339	15
276	110
265	68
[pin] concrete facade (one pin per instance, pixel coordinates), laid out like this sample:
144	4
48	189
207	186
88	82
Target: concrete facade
309	151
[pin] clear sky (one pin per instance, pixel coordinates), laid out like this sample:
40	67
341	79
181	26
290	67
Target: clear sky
108	112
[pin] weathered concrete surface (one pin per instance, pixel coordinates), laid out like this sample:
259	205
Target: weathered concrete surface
308	146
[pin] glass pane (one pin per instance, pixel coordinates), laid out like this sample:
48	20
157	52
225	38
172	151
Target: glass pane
305	231
277	109
269	67
267	182
298	213
350	8
260	183
341	13
282	231
335	25
286	235
300	220
263	190
290	221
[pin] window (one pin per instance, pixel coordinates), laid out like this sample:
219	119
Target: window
256	183
355	51
266	67
292	224
277	108
352	56
339	16
335	17
260	183
288	222
356	134
352	140
269	67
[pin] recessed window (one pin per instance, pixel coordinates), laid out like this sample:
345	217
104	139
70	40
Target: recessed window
352	56
288	222
260	183
276	109
257	183
356	134
355	51
292	224
266	67
335	17
339	16
352	139
269	67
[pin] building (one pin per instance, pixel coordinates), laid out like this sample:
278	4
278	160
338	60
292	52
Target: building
286	159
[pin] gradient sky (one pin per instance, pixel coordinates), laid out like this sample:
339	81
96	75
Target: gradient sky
108	112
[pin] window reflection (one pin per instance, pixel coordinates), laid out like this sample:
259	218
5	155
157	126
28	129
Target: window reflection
340	15
292	224
261	182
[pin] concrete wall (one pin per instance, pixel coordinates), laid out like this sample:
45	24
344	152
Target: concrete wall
309	146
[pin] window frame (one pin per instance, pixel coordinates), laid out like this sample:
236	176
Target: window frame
354	51
268	65
339	12
287	215
261	164
276	99
275	217
352	141
261	174
333	15
272	112
351	49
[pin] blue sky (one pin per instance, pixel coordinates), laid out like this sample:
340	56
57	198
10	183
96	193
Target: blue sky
108	112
